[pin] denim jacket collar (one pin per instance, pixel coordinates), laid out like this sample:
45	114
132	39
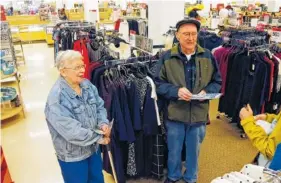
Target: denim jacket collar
65	86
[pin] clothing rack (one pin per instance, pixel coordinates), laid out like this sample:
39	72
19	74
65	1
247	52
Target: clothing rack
132	18
131	60
126	89
264	47
111	52
116	36
242	89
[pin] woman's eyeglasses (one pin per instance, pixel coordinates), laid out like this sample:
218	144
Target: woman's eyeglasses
77	68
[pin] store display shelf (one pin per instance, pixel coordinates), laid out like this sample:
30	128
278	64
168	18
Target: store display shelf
13	78
5	46
3	77
8	58
8	113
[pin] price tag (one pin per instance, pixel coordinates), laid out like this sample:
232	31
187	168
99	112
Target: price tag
276	36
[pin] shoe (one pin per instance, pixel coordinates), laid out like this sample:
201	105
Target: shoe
169	181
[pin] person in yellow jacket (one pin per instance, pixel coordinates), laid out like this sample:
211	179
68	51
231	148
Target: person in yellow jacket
266	144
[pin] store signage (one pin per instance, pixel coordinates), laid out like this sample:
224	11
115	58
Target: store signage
276	36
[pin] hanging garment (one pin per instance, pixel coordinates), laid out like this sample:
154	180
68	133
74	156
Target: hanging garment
80	46
117	25
142	28
124	30
94	55
133	27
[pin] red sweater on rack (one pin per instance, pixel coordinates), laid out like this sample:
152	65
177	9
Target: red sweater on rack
80	45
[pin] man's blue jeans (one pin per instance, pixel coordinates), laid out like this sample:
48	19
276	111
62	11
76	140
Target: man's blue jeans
190	134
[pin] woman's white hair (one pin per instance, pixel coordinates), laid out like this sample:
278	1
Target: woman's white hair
66	57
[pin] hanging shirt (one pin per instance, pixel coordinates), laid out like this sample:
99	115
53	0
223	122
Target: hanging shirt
154	96
143	13
142	27
279	74
124	30
80	46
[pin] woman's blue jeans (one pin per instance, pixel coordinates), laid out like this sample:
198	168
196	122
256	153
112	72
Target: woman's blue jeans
85	171
192	135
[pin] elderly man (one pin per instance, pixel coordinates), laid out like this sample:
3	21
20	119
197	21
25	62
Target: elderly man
74	113
185	70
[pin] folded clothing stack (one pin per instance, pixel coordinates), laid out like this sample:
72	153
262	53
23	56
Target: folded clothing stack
9	97
250	174
2	53
8	94
7	68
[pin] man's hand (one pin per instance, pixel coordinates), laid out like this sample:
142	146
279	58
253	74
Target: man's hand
203	92
246	112
184	94
104	141
106	130
260	117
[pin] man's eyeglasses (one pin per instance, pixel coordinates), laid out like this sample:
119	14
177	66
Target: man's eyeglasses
189	34
77	68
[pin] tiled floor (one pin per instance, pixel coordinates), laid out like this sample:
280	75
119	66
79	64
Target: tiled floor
29	151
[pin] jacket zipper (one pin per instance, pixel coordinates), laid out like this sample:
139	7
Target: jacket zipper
185	71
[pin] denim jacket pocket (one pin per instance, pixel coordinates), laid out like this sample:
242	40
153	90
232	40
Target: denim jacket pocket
68	147
93	104
79	113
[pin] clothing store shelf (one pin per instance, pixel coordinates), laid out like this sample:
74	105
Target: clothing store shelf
8	113
13	78
6	57
5	46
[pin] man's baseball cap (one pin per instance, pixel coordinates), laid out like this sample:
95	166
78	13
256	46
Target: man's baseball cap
188	21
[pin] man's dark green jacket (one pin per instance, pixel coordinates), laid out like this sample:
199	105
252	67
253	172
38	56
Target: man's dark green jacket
172	75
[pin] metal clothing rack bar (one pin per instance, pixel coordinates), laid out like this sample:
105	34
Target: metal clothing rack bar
144	51
132	18
129	61
261	47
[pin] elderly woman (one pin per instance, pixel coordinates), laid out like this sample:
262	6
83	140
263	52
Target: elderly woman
74	113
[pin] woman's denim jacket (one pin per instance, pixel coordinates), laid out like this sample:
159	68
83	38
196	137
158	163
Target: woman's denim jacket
72	119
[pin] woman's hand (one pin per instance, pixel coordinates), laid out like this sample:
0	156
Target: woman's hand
106	130
104	141
246	112
260	117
